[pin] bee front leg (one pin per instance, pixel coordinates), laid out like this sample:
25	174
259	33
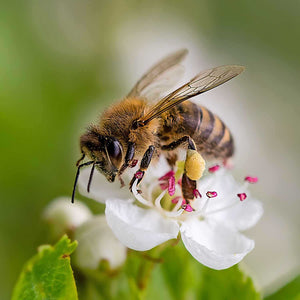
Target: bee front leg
128	158
145	162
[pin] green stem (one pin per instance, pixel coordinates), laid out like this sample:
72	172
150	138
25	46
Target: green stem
144	273
148	262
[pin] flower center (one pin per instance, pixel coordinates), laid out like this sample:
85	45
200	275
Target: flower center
174	207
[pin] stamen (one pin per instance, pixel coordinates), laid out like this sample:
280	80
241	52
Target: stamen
167	176
138	196
211	194
242	196
178	204
176	199
171	187
187	207
213	169
197	193
203	209
173	214
251	179
158	199
168	182
164	185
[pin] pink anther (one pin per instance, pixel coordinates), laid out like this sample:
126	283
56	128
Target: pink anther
251	179
211	194
242	196
167	175
171	187
164	185
176	199
197	193
187	207
213	169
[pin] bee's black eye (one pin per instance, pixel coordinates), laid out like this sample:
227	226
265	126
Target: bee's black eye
115	152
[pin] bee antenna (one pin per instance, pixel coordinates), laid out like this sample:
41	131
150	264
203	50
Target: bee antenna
77	176
90	178
80	159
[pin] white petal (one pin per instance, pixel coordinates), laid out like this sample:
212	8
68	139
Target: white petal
214	245
241	216
137	228
97	242
101	189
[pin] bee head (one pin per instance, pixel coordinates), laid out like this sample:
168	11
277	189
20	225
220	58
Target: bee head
105	151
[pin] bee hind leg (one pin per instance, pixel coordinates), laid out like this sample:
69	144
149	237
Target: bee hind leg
185	139
145	162
193	169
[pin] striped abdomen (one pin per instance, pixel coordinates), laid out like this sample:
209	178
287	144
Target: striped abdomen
211	135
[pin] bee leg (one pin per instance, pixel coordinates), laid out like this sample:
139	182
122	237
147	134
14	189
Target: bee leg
193	169
179	142
121	181
128	158
145	162
188	187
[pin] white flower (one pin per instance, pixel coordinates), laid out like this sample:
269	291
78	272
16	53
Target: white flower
209	226
96	242
64	217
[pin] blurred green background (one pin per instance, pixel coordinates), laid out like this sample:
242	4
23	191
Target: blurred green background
62	61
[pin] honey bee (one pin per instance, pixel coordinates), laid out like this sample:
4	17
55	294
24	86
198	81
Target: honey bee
137	131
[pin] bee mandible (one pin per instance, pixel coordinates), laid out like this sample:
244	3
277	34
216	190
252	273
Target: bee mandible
137	131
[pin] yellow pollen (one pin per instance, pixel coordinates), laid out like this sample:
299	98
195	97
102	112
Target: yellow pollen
194	165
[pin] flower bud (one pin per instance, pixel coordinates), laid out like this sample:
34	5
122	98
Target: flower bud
96	242
63	216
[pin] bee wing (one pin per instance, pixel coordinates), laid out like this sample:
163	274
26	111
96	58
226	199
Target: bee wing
161	76
201	83
163	84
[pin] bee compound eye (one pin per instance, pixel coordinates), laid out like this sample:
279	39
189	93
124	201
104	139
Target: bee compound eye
114	150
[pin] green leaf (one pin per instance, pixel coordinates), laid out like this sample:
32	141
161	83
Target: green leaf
228	284
186	278
179	273
48	275
290	291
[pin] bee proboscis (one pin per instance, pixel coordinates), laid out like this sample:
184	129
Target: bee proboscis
136	130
